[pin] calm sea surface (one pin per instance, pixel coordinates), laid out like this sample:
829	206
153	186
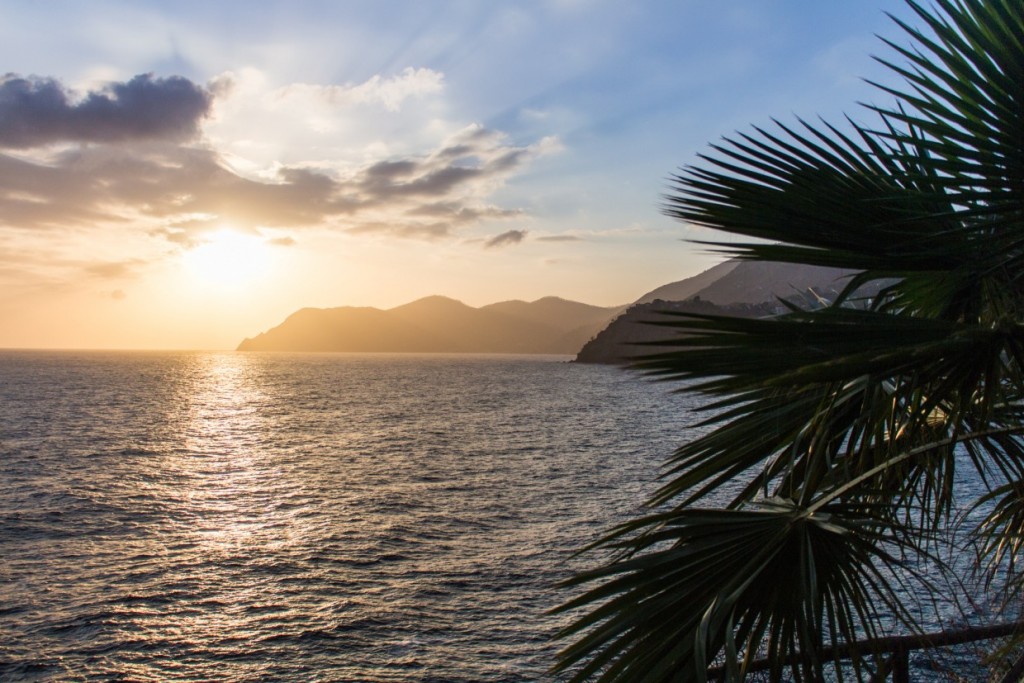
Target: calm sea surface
307	517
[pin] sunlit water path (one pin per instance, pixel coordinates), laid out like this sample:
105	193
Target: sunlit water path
308	517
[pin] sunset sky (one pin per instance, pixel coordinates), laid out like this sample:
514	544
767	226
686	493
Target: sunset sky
186	174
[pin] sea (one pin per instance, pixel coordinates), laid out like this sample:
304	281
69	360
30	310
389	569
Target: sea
193	516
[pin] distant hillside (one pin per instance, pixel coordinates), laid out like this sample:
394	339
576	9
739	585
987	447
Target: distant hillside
740	288
440	324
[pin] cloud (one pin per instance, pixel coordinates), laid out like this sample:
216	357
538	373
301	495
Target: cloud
114	270
31	271
40	111
559	238
427	231
456	214
283	241
100	185
476	158
387	92
506	239
157	180
186	233
118	295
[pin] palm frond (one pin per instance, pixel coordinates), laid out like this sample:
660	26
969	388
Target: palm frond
835	435
772	580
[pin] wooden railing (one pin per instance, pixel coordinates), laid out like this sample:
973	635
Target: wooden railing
899	648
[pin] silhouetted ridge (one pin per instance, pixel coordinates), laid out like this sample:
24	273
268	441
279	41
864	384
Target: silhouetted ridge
626	336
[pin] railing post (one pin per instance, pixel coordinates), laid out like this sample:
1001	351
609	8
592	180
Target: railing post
901	665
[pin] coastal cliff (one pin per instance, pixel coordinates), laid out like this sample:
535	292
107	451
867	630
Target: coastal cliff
734	288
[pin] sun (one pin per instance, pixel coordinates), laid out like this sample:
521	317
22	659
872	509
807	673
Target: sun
229	259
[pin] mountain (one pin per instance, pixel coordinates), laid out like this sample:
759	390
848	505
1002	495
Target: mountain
738	288
548	325
755	282
631	334
440	324
686	289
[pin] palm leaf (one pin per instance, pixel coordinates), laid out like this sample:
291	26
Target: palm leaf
767	579
836	434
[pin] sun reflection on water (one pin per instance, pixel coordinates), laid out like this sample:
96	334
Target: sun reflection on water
222	443
232	501
223	516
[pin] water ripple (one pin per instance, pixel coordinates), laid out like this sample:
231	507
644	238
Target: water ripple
248	517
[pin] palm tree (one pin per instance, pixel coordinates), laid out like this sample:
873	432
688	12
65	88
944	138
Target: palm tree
824	486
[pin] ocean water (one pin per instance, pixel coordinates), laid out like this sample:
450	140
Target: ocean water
307	517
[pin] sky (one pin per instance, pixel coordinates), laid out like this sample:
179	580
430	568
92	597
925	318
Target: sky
182	175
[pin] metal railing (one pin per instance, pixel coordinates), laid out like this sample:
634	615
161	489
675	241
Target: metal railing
898	649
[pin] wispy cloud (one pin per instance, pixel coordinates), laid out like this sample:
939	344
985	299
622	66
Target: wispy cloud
456	214
559	238
506	239
114	270
472	162
387	92
423	231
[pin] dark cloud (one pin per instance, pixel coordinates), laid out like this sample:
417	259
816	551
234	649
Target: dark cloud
40	111
36	195
506	239
425	178
510	160
388	171
103	184
474	155
559	238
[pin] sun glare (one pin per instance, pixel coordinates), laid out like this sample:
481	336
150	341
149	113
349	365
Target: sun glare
229	259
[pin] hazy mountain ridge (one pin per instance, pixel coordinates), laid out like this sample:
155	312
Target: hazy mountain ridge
440	324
